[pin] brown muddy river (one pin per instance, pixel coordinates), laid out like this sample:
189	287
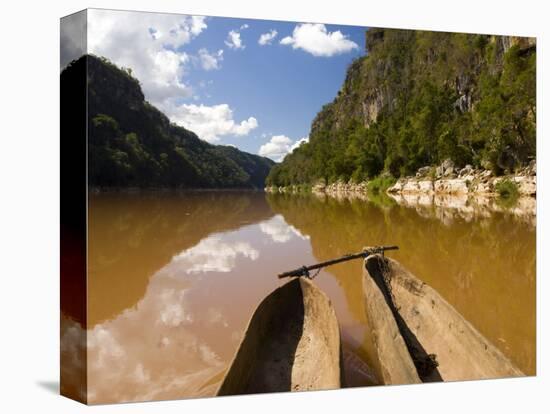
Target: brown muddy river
174	278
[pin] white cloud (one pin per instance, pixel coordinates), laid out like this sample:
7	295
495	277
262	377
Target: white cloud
210	61
315	39
298	143
279	230
209	122
234	40
214	255
279	146
149	44
198	24
244	26
267	38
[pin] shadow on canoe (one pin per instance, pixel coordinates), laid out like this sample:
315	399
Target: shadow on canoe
292	343
419	336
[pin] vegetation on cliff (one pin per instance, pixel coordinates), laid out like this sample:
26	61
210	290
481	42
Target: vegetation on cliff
132	144
507	188
418	98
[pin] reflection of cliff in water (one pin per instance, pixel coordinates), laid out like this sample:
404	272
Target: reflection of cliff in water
149	229
451	207
485	267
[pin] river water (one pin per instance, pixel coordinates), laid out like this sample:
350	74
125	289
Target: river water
174	278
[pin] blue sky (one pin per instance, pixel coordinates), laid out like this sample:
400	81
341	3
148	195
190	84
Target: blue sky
213	76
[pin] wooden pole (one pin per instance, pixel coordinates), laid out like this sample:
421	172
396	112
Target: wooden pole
304	270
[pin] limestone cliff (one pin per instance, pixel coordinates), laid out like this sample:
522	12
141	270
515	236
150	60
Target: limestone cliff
417	98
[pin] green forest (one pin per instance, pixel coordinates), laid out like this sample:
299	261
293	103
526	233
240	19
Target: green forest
132	144
417	98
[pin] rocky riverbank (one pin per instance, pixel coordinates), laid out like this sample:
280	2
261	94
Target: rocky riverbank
446	179
446	192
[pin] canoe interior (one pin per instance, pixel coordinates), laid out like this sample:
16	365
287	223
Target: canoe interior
395	365
292	343
443	345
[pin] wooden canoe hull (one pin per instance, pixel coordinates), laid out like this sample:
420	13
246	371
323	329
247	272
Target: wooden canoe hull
292	343
443	345
395	363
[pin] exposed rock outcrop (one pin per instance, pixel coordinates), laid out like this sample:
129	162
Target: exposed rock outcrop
470	195
445	179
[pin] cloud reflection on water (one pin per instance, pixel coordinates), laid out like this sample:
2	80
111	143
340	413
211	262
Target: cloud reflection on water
279	230
179	337
212	254
159	349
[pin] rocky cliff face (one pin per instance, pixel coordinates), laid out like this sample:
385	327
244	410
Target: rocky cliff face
371	84
417	98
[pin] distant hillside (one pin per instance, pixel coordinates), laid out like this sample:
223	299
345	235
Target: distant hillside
418	98
132	144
